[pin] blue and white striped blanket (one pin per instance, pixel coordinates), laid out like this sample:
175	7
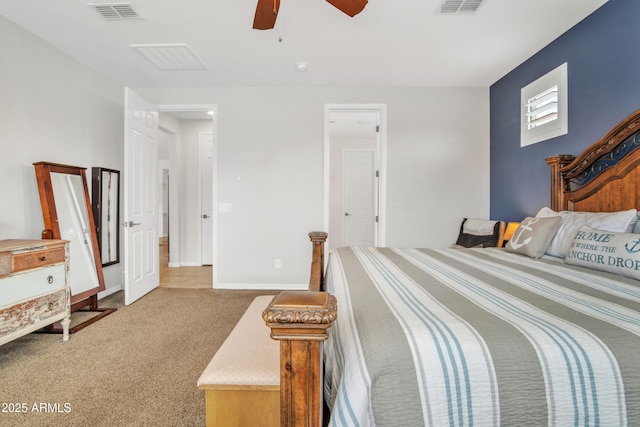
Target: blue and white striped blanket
479	337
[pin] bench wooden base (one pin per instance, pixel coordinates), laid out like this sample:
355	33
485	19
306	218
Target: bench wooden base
256	406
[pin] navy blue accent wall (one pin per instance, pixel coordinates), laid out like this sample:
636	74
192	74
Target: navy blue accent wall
603	58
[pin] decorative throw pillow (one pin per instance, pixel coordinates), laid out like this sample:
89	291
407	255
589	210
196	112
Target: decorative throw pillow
533	236
622	221
478	233
617	253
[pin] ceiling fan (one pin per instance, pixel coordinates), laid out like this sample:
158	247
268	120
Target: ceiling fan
267	11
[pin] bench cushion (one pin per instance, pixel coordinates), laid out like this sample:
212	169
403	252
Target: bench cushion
248	357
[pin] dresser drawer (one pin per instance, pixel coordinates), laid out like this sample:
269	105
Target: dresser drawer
31	283
33	312
34	259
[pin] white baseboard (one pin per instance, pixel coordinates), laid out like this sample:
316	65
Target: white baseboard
184	264
263	286
191	264
109	291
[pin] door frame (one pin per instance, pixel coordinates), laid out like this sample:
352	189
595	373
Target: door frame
201	134
381	110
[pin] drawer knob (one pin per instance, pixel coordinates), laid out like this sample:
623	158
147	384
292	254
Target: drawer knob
50	279
50	305
42	258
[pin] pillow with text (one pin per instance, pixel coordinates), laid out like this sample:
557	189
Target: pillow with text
617	253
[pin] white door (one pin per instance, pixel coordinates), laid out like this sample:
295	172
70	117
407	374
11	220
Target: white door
141	244
353	127
205	142
358	190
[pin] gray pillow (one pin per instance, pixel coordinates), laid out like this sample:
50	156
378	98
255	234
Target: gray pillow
533	236
617	253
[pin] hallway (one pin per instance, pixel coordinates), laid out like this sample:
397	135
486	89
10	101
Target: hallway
182	277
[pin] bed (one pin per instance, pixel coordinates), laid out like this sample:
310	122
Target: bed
542	333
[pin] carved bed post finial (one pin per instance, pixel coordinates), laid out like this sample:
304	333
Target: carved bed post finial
557	182
316	281
299	320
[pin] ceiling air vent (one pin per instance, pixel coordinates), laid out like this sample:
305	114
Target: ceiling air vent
167	57
449	7
116	11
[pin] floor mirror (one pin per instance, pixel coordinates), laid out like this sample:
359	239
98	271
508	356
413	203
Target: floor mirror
66	211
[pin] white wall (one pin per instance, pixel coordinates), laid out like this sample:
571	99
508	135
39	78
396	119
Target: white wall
169	129
270	169
51	109
438	164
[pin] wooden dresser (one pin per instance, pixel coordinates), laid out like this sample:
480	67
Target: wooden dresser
34	287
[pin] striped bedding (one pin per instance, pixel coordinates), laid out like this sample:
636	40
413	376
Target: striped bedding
479	337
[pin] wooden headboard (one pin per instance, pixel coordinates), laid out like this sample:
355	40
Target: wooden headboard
604	178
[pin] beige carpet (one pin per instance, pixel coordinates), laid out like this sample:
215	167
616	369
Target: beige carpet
136	367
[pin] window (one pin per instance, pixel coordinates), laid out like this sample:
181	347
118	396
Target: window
544	107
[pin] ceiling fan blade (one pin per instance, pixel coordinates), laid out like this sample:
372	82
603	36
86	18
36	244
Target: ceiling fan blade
350	7
266	14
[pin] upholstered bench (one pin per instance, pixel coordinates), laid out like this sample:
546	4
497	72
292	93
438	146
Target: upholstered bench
242	381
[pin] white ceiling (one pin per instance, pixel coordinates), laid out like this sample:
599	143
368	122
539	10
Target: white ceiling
391	43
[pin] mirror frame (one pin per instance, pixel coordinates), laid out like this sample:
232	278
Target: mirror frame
52	228
100	204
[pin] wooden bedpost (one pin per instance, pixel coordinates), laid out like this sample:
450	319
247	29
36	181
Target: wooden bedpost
299	320
557	183
316	281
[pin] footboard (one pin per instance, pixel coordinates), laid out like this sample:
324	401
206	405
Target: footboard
316	280
299	320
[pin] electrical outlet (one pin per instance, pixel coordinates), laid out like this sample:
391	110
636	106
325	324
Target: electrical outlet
278	263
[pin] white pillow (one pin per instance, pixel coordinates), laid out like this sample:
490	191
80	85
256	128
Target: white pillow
636	227
622	222
617	253
479	227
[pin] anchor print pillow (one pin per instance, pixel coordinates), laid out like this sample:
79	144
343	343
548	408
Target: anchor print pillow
533	236
617	253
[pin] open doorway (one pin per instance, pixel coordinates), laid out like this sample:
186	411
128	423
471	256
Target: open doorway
190	253
355	160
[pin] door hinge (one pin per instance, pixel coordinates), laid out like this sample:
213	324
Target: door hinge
377	128
377	174
377	218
